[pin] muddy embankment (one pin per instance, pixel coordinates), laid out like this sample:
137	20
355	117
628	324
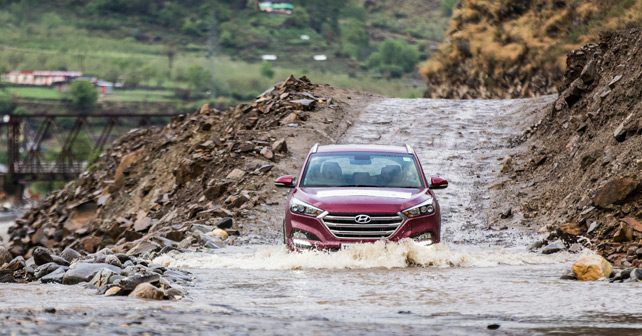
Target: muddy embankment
578	171
202	182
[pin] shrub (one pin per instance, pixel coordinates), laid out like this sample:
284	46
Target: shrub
394	58
83	96
199	78
266	70
447	6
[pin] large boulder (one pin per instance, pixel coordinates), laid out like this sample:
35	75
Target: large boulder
591	268
84	272
146	290
615	190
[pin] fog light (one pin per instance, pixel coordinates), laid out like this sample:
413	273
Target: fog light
423	239
299	235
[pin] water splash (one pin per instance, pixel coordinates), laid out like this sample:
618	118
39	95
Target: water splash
362	256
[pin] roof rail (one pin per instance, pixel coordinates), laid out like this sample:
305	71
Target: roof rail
314	148
409	149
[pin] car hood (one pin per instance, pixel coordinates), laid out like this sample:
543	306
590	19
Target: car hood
366	200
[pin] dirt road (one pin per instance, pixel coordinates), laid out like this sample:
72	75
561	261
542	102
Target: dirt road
479	277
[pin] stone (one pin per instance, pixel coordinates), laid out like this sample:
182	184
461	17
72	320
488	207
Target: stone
225	223
553	248
5	256
15	264
280	146
591	268
623	233
568	275
571	229
6	276
45	269
216	190
59	260
614	191
113	291
508	213
83	272
627	127
56	276
144	248
91	243
267	153
132	281
507	165
142	222
113	260
147	291
41	256
102	278
633	223
236	174
219	233
592	227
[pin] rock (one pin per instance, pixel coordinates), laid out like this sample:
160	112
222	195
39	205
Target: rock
507	165
113	260
216	190
614	191
5	256
591	268
45	269
623	233
506	213
132	281
113	291
570	229
91	243
147	291
41	256
103	277
144	248
592	227
568	275
15	264
55	276
236	174
553	248
636	274
219	233
83	272
633	223
142	222
225	223
267	153
627	127
6	276
280	146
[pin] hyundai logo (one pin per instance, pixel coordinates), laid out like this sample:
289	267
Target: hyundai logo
362	219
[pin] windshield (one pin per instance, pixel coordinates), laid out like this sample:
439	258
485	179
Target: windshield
383	170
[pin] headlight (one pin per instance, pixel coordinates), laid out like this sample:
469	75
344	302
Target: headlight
302	208
424	208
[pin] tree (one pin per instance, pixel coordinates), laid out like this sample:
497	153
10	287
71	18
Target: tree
393	58
83	96
199	78
266	70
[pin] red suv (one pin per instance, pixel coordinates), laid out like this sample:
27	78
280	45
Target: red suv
360	193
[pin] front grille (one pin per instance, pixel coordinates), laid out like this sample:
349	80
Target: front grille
346	226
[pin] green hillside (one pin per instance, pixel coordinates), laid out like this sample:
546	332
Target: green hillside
212	49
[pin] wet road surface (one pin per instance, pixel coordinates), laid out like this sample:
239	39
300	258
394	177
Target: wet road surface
477	278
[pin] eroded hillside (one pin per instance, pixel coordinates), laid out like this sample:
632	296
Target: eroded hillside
516	48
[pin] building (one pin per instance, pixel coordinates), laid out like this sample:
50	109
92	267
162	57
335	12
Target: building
39	78
282	7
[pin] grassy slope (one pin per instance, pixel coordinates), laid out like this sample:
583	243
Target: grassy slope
54	40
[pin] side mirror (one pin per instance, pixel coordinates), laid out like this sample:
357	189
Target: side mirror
438	183
287	181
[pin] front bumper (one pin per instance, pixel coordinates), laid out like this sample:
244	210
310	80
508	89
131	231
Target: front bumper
325	239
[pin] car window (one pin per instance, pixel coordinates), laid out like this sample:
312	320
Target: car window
361	170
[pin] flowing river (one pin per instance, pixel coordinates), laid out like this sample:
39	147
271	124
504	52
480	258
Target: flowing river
477	282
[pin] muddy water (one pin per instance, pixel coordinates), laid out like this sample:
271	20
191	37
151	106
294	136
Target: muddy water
476	278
